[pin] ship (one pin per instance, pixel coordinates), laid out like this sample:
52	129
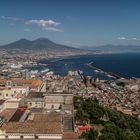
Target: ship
34	71
45	70
50	73
97	71
16	66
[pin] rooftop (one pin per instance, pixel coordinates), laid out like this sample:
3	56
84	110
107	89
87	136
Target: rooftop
49	123
35	95
33	83
8	113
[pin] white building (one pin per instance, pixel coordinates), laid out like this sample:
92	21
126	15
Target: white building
20	87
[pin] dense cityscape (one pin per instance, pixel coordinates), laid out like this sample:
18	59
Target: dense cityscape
43	105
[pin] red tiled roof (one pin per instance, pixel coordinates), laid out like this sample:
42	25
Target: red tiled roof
33	83
84	128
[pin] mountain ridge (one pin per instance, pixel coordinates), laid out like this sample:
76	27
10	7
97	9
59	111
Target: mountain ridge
48	45
113	48
40	43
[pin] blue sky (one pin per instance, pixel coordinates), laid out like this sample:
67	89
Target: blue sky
71	22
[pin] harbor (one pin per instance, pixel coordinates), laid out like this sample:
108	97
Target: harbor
108	74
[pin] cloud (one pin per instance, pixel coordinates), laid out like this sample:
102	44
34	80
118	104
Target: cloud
129	39
53	29
121	38
27	30
12	18
43	23
135	39
48	25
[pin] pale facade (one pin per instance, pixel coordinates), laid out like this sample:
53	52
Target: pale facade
56	101
13	92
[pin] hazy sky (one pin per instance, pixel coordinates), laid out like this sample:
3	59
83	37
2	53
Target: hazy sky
71	22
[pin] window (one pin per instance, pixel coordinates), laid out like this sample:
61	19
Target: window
0	94
6	94
21	137
52	106
9	83
30	104
6	136
36	137
60	107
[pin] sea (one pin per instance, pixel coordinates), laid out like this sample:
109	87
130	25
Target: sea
126	65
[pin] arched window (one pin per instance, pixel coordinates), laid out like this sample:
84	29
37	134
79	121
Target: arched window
30	104
60	107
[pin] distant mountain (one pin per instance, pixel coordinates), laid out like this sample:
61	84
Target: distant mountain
113	48
43	44
39	44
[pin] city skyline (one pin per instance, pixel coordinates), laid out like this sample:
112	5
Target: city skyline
73	23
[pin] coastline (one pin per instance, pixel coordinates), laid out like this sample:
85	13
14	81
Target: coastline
116	63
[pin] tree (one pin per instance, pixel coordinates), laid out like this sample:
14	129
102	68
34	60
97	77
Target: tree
113	115
82	116
129	135
90	135
107	136
111	128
